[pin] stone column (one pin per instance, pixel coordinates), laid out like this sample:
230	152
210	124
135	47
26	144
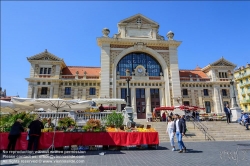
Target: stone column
174	70
57	90
84	94
192	97
133	102
35	92
200	98
119	96
76	93
162	97
148	102
217	101
105	72
30	91
51	92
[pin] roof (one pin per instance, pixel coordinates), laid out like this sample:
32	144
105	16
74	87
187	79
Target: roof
129	19
71	70
187	73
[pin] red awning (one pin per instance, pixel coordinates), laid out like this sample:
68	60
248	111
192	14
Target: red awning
164	108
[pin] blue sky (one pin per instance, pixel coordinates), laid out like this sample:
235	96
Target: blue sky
208	31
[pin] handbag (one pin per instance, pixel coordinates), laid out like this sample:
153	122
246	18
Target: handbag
28	137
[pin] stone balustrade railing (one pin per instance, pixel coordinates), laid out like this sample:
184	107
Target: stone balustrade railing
80	118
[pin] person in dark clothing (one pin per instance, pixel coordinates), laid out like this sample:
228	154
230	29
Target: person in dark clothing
228	113
179	130
15	132
101	108
34	133
193	115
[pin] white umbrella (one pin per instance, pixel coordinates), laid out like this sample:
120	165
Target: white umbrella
109	101
7	106
54	104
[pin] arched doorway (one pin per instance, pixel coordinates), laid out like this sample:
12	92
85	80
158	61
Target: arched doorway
152	67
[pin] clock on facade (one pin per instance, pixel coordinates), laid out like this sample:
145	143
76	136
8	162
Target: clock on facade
140	70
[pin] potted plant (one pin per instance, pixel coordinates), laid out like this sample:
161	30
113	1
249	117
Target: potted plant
114	120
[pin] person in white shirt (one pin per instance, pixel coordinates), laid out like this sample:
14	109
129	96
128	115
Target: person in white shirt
170	131
179	130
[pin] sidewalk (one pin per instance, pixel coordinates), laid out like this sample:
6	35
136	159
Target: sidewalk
199	154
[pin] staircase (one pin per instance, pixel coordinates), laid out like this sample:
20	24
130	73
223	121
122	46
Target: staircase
213	130
221	131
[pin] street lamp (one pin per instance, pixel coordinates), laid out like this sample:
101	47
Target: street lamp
128	79
233	97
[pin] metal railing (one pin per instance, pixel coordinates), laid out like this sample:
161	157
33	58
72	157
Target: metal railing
203	128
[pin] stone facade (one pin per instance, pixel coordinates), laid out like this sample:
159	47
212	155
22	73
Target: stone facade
242	78
155	79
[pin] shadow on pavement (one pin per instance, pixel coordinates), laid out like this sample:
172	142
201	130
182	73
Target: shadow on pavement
193	151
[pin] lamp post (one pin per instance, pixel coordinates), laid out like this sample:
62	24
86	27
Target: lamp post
128	79
233	97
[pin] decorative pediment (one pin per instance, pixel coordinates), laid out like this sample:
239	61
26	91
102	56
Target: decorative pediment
223	62
138	19
45	56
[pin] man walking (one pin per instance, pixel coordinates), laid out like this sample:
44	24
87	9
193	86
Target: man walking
179	130
228	113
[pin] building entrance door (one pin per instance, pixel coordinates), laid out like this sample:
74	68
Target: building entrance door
155	98
140	104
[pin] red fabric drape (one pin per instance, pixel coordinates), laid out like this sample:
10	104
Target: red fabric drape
85	138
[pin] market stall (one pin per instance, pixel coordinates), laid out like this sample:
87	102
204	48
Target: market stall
157	117
86	139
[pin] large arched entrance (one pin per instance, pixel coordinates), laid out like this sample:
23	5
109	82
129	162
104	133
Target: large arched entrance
153	68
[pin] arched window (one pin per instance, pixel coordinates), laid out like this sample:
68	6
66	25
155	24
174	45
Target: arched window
132	60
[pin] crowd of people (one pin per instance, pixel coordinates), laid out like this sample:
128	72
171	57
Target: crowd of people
34	133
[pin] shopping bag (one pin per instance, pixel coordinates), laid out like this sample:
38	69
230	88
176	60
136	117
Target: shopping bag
28	136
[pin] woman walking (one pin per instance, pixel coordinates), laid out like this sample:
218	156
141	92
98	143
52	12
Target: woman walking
15	132
170	131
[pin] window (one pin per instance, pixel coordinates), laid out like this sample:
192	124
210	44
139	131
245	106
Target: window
222	74
132	60
92	91
154	93
44	70
207	106
140	93
186	103
67	91
185	92
44	91
205	92
224	92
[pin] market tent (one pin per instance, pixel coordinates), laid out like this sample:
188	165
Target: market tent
54	103
164	108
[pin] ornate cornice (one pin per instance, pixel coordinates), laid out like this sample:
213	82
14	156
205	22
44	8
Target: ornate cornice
124	41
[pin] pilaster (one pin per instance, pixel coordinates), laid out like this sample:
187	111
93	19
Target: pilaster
174	71
105	72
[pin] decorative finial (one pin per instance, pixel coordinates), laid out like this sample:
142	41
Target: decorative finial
170	35
46	50
105	32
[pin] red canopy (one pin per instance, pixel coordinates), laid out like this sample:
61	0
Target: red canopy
190	108
164	108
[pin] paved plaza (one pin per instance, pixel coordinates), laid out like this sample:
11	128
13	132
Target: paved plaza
199	153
